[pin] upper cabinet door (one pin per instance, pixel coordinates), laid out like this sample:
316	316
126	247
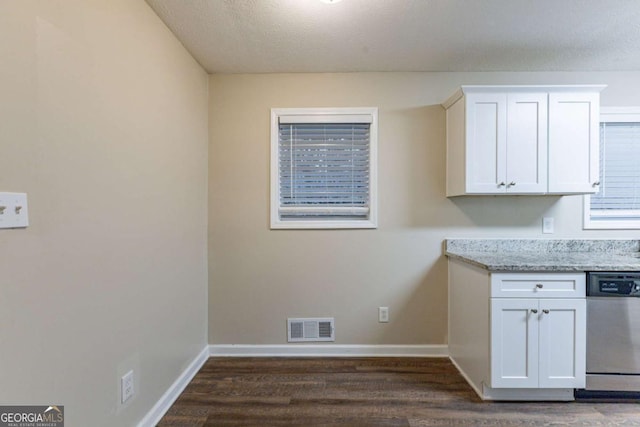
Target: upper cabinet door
486	142
526	156
573	142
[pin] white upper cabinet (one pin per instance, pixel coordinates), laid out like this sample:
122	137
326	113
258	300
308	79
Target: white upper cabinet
486	115
574	133
506	143
522	140
526	143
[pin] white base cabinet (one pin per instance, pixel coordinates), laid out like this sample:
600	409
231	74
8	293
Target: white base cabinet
518	336
538	343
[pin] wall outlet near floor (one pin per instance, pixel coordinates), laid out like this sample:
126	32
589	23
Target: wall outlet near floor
383	314
14	212
126	387
547	225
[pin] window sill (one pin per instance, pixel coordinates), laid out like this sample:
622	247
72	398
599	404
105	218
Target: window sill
606	224
611	225
322	225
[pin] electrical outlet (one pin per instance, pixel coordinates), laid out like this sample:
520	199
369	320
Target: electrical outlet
383	314
126	386
13	210
547	225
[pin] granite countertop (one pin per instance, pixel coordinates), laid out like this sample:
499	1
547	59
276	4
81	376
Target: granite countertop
546	254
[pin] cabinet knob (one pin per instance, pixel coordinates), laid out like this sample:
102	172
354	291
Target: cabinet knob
534	311
511	184
539	285
595	184
545	311
502	184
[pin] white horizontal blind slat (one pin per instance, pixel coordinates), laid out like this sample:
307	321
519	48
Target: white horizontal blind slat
619	195
325	118
324	169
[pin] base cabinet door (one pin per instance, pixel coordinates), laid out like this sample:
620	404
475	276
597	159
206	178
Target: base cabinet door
538	343
562	354
514	343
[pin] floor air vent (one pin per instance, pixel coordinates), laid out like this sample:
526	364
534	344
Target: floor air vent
310	329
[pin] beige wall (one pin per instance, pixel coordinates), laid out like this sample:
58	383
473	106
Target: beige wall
259	277
103	122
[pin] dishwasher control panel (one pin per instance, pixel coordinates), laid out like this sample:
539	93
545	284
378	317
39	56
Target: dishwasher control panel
615	284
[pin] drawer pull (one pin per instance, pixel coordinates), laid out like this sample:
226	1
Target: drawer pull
534	311
539	285
545	311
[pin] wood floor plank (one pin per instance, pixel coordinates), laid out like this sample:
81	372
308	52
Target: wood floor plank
363	392
310	421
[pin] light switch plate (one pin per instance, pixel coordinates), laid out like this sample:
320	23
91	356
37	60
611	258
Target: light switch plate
383	314
14	212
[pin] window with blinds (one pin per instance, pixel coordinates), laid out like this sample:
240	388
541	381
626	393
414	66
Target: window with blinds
323	168
617	203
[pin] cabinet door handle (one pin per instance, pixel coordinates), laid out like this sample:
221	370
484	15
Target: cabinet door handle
534	310
539	285
545	311
511	184
595	184
502	184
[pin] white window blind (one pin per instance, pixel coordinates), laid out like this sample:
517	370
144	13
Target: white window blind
619	195
323	171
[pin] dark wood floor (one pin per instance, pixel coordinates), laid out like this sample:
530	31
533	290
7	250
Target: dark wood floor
363	392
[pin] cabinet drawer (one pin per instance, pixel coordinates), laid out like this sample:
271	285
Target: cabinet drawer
538	285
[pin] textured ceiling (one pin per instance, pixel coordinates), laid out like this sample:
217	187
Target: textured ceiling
263	36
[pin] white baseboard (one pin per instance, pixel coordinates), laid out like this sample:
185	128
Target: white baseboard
327	350
156	413
466	378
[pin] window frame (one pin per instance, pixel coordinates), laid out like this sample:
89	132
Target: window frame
324	115
611	115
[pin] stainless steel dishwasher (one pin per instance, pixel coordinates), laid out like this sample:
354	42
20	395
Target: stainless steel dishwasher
613	332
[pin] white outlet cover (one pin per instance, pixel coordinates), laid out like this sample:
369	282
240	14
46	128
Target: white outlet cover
547	225
14	212
126	387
